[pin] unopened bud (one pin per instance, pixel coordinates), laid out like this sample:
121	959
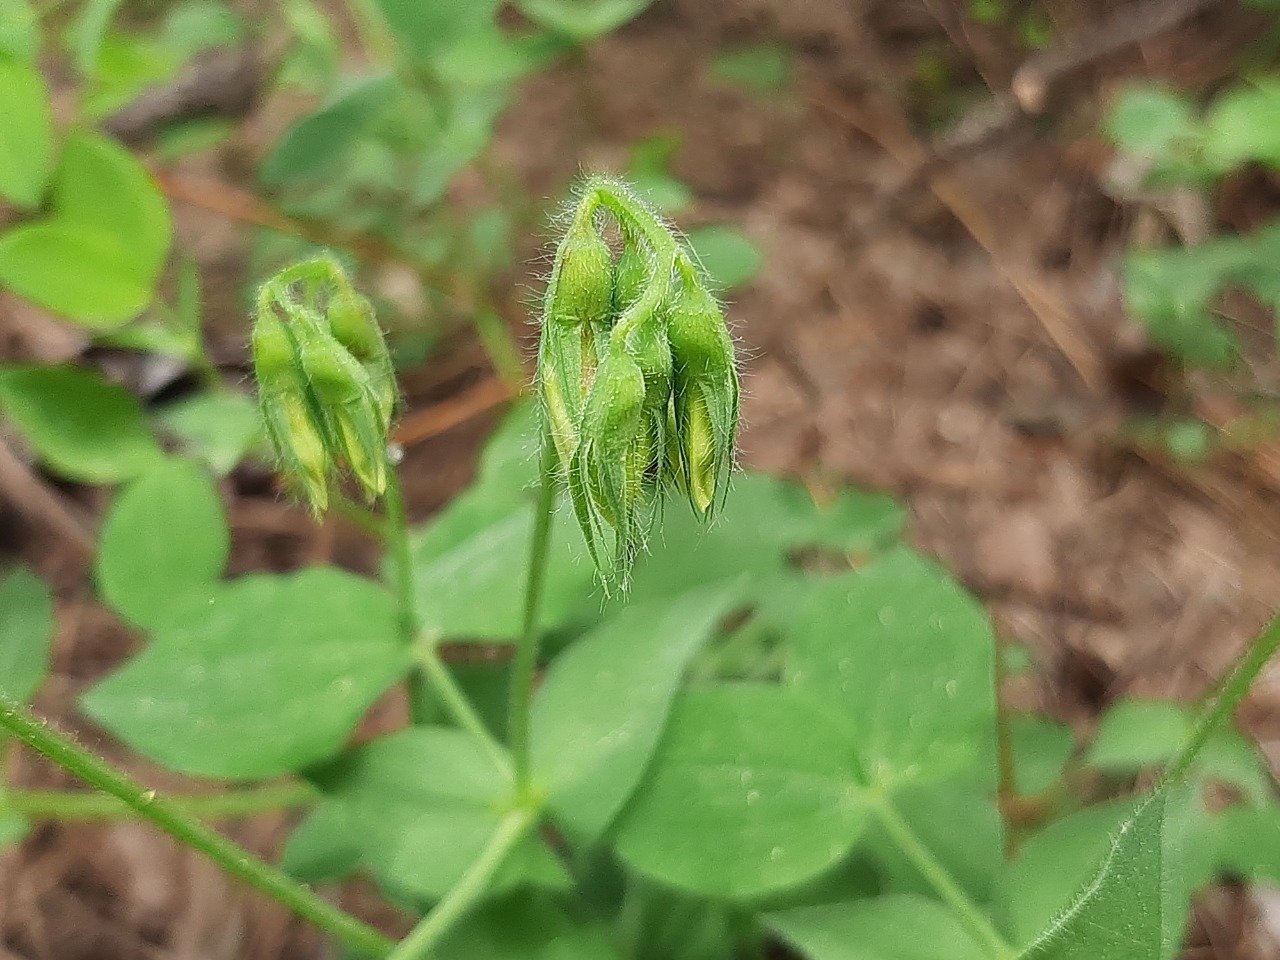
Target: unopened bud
581	290
706	396
325	381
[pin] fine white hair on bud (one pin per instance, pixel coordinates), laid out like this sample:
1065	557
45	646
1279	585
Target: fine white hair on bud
636	374
326	386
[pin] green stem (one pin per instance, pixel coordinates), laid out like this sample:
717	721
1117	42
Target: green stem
980	928
456	703
68	805
467	892
1228	698
501	348
400	557
526	658
178	823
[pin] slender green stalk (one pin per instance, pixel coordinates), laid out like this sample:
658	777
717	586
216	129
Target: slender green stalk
1228	698
526	659
400	556
500	347
67	805
468	891
979	927
456	703
174	819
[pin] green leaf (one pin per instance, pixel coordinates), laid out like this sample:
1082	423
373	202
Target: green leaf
882	928
762	68
260	676
98	257
86	33
429	29
1137	735
1243	126
325	847
1041	749
490	57
26	132
419	806
525	927
463	136
317	141
906	655
193	26
1119	913
19	30
26	635
599	714
72	270
959	823
1147	120
82	426
721	812
582	20
218	426
470	565
728	257
165	536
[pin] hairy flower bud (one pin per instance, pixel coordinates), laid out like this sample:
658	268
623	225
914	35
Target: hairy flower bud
606	480
325	381
636	375
706	394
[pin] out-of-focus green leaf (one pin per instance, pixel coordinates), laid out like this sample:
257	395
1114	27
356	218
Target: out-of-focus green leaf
87	31
166	535
19	30
762	68
418	807
257	677
26	132
729	257
902	651
599	714
219	426
582	20
316	141
82	426
429	29
1147	120
99	255
880	928
26	637
719	813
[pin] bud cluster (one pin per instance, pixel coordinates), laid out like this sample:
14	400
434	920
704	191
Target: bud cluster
637	375
325	381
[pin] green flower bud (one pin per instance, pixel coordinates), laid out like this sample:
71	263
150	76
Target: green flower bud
606	480
637	376
325	382
706	395
299	445
581	288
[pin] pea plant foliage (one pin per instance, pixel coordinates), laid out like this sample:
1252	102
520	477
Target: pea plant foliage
734	716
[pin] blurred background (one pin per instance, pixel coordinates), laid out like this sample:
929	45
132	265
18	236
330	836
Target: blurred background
1014	262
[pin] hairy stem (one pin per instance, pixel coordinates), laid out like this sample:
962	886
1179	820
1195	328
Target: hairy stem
979	927
1228	698
468	891
441	681
68	805
174	819
526	658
